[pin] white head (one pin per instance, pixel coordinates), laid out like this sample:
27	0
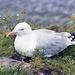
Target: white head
21	29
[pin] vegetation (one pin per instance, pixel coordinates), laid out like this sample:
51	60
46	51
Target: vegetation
60	64
10	71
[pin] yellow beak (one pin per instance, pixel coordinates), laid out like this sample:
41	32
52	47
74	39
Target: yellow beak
11	33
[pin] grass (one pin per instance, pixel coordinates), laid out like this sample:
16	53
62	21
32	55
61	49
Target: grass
7	46
60	64
10	71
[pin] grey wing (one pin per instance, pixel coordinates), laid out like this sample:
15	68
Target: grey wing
44	31
52	43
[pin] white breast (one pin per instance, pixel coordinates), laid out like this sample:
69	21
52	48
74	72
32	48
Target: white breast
25	44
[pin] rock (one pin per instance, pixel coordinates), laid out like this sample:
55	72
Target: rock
5	61
41	73
30	72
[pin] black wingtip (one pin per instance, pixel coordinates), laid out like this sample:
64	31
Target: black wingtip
73	34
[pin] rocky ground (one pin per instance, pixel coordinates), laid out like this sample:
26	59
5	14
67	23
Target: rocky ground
44	12
5	61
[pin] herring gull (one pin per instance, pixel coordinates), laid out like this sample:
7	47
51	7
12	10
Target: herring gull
52	42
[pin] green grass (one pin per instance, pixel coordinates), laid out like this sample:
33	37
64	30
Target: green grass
7	46
62	63
10	71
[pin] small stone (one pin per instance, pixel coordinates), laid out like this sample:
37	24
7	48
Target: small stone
0	16
18	15
41	73
30	72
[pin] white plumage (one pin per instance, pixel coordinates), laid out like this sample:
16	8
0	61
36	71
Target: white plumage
27	40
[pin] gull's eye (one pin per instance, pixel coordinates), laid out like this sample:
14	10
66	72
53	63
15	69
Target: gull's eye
21	29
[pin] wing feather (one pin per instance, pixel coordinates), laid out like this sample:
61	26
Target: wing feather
51	42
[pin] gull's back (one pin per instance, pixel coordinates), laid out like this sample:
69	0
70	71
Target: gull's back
51	41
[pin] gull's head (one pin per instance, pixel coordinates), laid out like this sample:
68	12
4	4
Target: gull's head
21	29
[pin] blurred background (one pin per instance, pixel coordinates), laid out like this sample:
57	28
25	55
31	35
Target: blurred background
44	12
